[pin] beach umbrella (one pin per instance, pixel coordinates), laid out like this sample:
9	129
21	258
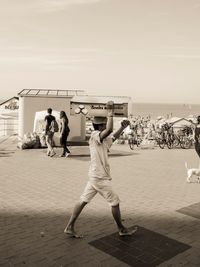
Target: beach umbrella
173	119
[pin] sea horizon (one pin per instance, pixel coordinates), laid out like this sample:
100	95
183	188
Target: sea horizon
166	110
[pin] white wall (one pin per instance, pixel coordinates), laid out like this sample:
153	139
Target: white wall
28	105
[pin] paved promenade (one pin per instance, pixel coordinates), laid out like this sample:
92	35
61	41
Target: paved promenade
38	193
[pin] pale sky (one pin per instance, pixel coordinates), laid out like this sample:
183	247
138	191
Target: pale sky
146	49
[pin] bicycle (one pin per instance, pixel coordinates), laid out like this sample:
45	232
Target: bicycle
133	140
164	139
185	141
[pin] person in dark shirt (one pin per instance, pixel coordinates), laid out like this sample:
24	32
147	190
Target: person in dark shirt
64	132
48	133
197	136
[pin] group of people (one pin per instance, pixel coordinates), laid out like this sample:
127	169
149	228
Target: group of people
150	130
50	129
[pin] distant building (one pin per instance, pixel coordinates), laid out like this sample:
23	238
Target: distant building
33	104
32	101
25	113
9	116
9	106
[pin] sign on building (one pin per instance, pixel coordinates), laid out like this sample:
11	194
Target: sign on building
96	105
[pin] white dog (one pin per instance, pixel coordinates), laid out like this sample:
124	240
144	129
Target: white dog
191	172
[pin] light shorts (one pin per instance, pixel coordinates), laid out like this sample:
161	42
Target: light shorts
104	188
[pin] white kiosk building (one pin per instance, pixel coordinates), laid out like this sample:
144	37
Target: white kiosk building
35	100
33	105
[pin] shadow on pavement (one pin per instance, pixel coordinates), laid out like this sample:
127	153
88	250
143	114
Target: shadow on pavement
6	153
37	239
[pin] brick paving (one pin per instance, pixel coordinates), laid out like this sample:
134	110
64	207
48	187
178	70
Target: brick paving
144	249
38	194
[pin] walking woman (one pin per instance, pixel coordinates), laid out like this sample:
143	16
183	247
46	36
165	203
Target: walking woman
197	136
64	132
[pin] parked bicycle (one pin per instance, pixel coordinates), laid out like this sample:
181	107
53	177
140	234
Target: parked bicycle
164	140
166	136
133	140
182	138
185	139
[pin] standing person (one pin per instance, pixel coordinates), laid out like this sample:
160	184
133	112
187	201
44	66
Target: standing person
48	133
197	136
99	172
64	132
